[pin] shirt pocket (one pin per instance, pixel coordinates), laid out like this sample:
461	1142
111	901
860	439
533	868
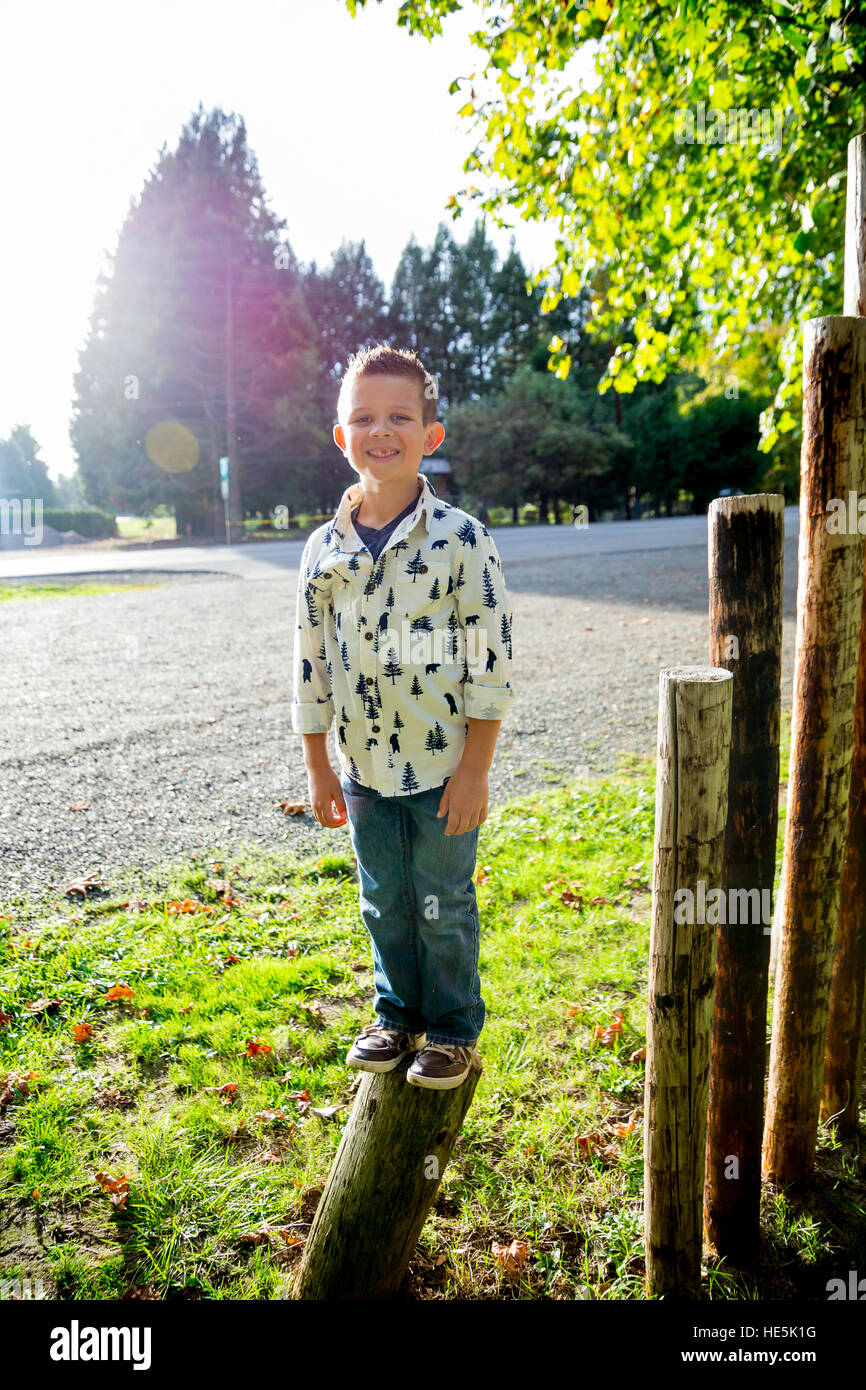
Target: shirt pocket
420	586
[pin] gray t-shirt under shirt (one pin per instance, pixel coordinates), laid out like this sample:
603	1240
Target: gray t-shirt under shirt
375	541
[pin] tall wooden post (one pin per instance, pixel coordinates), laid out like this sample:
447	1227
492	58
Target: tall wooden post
746	550
694	740
829	604
843	1058
395	1148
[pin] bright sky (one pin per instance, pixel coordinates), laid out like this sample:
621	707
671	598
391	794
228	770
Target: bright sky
351	122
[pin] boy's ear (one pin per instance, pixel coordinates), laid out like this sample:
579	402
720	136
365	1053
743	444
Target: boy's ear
435	435
339	438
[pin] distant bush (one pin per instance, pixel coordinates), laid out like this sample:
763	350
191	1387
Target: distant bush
95	524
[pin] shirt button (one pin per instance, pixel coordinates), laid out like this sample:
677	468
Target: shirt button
369	636
370	589
369	680
376	729
327	574
422	569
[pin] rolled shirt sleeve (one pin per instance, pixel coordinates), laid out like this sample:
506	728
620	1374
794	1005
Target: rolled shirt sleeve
312	699
485	617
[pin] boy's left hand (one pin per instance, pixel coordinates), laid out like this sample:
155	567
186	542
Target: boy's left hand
464	800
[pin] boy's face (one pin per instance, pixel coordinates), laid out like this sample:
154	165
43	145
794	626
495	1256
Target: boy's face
382	433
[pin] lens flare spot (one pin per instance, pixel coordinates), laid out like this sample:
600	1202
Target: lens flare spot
171	446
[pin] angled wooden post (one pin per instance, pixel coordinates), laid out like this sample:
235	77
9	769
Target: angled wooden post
843	1057
829	608
746	551
394	1150
694	741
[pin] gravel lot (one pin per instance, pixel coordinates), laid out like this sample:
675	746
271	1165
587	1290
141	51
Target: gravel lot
166	710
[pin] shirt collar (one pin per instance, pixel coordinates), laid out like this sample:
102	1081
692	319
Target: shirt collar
343	532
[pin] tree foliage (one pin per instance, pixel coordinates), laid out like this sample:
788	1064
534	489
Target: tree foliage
682	241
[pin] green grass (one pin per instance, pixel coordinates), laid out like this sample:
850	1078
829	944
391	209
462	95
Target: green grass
134	528
13	592
137	1100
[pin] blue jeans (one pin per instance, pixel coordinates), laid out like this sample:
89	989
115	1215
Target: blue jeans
417	900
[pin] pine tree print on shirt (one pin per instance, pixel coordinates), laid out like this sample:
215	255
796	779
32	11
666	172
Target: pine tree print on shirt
466	534
489	599
415	566
312	615
410	781
505	633
436	739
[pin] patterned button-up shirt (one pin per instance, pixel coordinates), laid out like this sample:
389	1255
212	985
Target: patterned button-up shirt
403	650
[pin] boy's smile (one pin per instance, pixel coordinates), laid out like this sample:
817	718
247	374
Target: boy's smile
384	438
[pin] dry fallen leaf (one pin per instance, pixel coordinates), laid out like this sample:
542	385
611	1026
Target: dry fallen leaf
118	992
114	1096
84	884
254	1047
607	1034
117	1189
227	1093
510	1257
639	1055
82	1032
43	1006
291	808
268	1116
78	805
15	1085
326	1112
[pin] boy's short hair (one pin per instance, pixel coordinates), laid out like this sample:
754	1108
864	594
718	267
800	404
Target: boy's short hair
382	360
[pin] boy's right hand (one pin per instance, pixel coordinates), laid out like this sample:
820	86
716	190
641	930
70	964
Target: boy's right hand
325	789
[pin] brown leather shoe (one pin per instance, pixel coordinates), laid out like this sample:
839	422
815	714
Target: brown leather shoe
381	1049
442	1066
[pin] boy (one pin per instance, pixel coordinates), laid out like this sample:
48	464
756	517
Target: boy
404	634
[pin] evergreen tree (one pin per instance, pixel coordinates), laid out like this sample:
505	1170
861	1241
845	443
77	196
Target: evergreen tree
489	599
436	739
199	345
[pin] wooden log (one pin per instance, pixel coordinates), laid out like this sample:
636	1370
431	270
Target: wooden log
694	739
846	1024
394	1150
746	552
829	605
843	1056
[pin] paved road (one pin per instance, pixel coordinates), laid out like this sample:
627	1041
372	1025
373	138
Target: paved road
271	559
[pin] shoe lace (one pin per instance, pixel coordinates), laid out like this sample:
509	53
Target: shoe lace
449	1049
381	1031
